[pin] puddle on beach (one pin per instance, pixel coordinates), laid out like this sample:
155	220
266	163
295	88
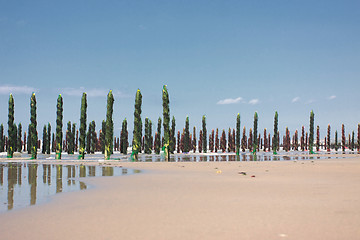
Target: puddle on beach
232	157
25	184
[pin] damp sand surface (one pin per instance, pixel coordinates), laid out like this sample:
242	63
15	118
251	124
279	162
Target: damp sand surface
317	199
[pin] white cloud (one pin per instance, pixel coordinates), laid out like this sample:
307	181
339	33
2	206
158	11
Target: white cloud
7	89
94	92
254	101
332	97
295	99
230	100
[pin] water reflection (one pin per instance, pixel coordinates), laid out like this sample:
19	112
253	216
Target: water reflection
44	180
230	157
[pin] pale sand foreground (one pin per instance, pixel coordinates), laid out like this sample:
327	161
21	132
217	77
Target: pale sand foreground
285	200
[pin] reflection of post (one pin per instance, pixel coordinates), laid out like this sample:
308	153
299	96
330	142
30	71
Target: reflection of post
68	171
58	178
107	171
19	173
68	175
49	175
32	179
91	171
82	171
1	174
44	173
82	186
11	182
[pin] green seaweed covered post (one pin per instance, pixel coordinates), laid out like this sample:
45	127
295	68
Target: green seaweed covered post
204	134
223	141
296	142
11	128
109	135
124	137
166	122
250	141
137	132
147	141
275	137
88	138
187	136
18	139
2	141
358	139
82	126
302	139
255	142
82	129
44	140
93	137
343	140
73	136
244	140
158	137
336	141
265	140
48	140
28	140
230	142
33	138
328	139
52	142
102	136
317	138
311	136
194	140
15	139
172	136
70	146
59	125
238	134
211	140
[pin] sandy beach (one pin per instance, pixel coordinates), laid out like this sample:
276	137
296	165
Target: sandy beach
317	199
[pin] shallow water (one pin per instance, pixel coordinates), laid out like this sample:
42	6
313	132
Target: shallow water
233	157
25	184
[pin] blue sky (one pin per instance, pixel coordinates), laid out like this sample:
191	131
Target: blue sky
218	58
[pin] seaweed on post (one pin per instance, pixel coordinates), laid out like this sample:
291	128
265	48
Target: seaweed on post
82	126
33	137
172	136
109	135
217	140
255	141
238	134
137	132
275	137
11	128
204	134
59	125
166	122
311	136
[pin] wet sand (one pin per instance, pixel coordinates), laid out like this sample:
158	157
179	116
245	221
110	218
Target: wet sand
317	199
